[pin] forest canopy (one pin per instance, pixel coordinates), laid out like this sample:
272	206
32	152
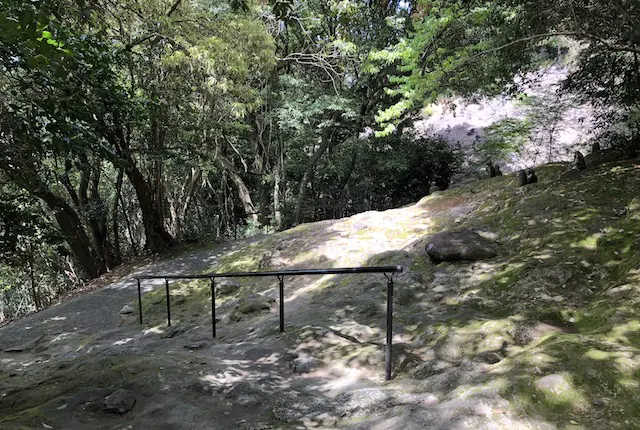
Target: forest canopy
128	127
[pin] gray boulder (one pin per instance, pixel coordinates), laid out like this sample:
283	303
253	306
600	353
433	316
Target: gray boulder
304	364
254	303
251	304
224	287
120	401
460	245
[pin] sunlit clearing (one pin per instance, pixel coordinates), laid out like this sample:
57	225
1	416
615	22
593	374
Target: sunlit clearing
596	354
629	383
311	287
590	242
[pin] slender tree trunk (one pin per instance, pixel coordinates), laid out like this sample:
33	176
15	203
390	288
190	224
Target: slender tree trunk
347	176
134	248
261	161
32	278
242	192
308	173
276	200
180	206
114	226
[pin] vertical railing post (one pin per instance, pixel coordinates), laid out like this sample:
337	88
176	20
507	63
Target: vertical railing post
139	301
281	279
389	346
213	306
166	284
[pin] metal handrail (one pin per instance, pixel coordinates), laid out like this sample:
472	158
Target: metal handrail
388	272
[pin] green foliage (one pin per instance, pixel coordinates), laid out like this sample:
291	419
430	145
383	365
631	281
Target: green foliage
397	170
479	47
504	138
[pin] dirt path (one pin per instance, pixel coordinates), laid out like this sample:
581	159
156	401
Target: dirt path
97	311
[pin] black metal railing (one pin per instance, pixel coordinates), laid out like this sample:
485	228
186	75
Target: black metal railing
388	272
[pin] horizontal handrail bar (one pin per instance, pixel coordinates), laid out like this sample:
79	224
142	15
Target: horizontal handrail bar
281	274
289	272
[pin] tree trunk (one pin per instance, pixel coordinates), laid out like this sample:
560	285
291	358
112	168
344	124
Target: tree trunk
71	227
180	206
261	161
32	278
308	173
114	226
134	248
347	176
156	236
277	213
242	192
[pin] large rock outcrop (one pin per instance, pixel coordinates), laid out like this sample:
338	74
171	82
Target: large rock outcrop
460	245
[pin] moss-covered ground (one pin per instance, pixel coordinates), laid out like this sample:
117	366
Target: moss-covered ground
561	299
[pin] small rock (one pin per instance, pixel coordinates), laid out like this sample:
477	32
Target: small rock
489	357
120	401
304	364
555	385
205	387
126	309
224	287
196	345
255	304
171	332
598	402
430	400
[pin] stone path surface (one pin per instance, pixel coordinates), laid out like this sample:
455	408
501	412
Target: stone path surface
97	311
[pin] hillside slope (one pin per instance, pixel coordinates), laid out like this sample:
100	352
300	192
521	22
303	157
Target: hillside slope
546	335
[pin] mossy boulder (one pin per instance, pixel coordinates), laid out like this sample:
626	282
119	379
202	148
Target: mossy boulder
556	388
460	245
251	304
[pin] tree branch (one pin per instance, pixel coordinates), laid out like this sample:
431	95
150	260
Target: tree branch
173	8
608	45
